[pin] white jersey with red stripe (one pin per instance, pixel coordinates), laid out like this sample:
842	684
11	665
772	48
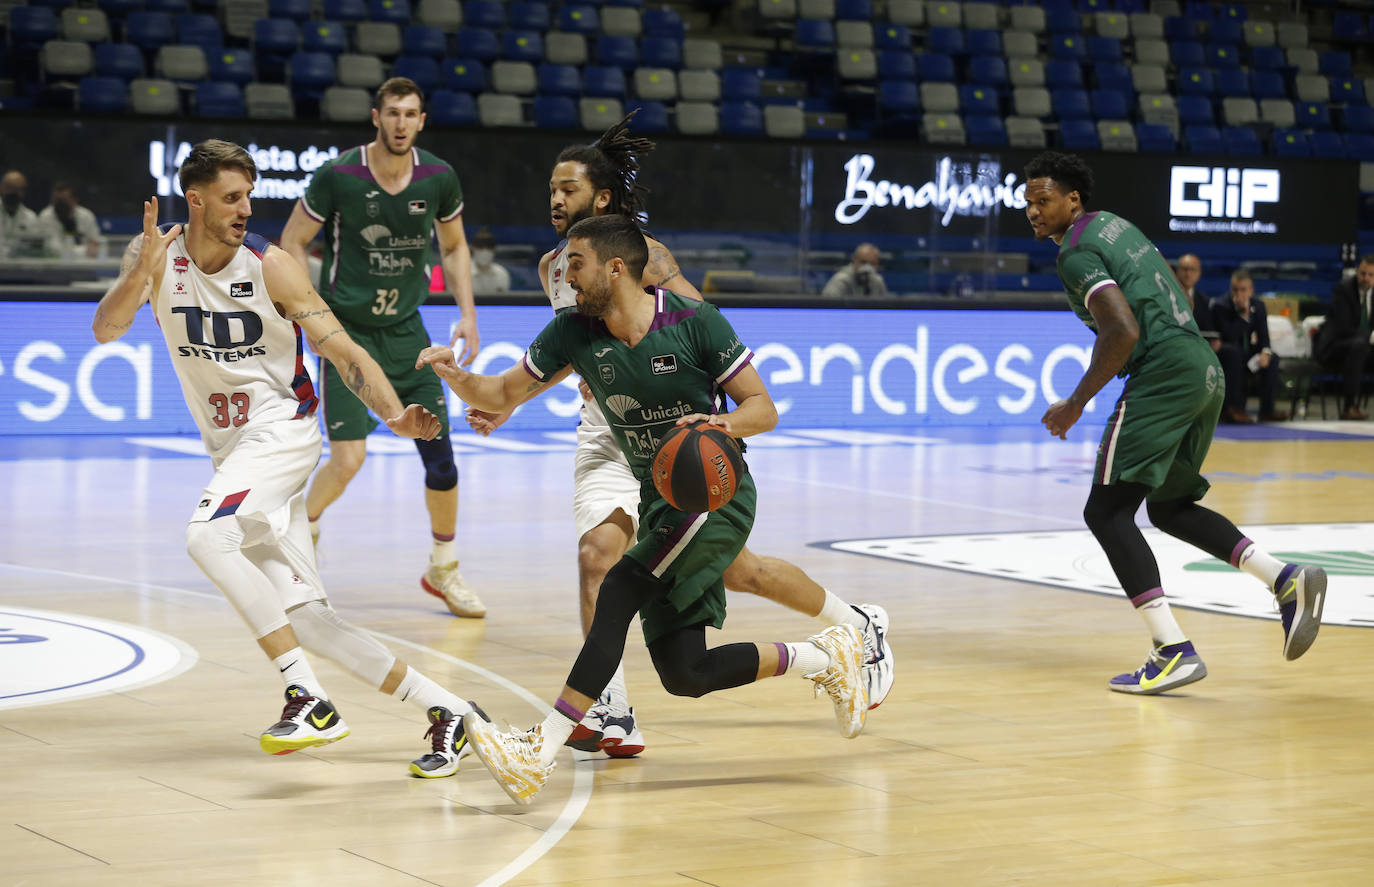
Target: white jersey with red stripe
240	363
564	298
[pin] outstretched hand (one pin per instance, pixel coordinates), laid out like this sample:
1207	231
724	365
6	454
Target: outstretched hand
153	250
415	422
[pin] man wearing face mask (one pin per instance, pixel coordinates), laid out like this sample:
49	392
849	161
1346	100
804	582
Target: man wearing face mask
859	279
487	275
20	235
70	230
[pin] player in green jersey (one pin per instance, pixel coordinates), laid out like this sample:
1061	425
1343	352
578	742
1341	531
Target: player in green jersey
379	204
653	360
1161	427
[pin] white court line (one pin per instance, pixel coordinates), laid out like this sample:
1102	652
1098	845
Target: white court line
582	769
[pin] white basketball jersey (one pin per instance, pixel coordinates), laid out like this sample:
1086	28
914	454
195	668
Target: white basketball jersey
240	362
563	298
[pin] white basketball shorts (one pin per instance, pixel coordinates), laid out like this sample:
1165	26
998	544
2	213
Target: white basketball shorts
602	480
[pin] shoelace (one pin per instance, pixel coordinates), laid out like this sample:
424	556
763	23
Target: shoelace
295	705
441	742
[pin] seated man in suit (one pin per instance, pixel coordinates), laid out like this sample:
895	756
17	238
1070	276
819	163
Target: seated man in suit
1343	344
1188	270
1243	329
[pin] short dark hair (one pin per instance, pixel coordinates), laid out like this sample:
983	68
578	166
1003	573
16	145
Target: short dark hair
612	163
1069	171
615	237
1241	274
397	88
206	159
1367	259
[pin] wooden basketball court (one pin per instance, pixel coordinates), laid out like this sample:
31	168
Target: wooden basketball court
1000	758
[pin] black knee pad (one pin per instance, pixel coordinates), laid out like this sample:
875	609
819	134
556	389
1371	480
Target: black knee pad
441	472
680	679
1107	502
1161	513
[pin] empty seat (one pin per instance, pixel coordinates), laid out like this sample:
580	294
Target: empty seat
1159	109
424	71
446	15
1149	78
1155	138
700	53
330	37
814	34
1259	34
66	58
1025	132
777	10
515	78
1268	85
1327	144
939	98
665	52
1292	34
1278	112
1196	81
378	38
358	71
579	20
932	66
699	86
1031	101
1151	52
396	12
697	118
652	116
987	70
784	122
1147	25
896	37
1312	115
1063	74
484	14
1020	45
565	49
309	73
854	34
121	60
220	99
199	30
1359	118
1026	72
154	96
620	21
464	75
856	64
102	95
1113	24
496	109
1026	18
234	65
1303	59
147	30
1202	139
564	80
449	108
981	42
424	40
1233	82
31	26
299	10
522	46
184	63
656	84
1110	104
269	101
943	129
1071	104
1267	58
346	103
555	112
1240	140
618	51
85	25
911	13
982	16
1239	111
599	113
1117	135
603	81
898	97
350	12
1311	88
741	84
528	16
948	41
1291	143
1078	135
974	99
741	119
985	130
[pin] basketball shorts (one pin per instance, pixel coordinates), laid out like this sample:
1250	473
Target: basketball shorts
261	484
690	553
602	480
1162	425
395	349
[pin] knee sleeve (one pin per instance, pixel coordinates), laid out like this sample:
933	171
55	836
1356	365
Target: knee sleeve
441	472
686	668
681	678
321	630
217	548
626	588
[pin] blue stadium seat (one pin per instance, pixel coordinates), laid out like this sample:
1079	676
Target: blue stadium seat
554	79
579	19
1237	12
275	37
330	37
1063	74
121	60
1291	143
1111	104
1155	138
661	52
484	14
1202	139
1359	118
219	99
1226	30
934	67
1328	144
526	16
1268	85
1347	90
632	4
397	12
740	85
618	51
1078	135
1104	49
424	40
652	116
478	43
983	41
1350	25
854	10
945	40
741	119
296	10
233	65
422	69
1222	55
1267	58
1241	140
975	99
112	8
1196	81
310	74
1068	46
1070	104
167	6
814	34
898	96
1177	27
555	112
662	22
523	46
603	81
349	12
1117	77
1187	54
1232	82
902	66
1195	109
1360	145
985	130
989	70
1060	20
463	75
146	30
1334	63
1199	11
894	37
101	95
449	108
199	30
1312	115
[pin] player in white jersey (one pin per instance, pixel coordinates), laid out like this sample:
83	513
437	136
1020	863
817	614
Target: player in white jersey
232	308
600	179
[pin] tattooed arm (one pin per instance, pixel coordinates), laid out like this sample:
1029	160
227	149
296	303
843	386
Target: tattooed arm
491	394
662	270
140	272
298	302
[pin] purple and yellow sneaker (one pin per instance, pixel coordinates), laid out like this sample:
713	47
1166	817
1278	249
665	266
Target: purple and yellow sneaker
1168	666
1301	592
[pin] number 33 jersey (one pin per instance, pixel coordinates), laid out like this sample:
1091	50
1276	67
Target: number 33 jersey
240	362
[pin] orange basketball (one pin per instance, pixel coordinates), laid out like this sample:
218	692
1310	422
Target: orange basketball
697	467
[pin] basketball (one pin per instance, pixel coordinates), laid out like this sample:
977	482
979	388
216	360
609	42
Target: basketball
697	467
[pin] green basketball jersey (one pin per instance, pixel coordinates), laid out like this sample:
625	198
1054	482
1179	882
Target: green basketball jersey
377	245
1102	249
677	369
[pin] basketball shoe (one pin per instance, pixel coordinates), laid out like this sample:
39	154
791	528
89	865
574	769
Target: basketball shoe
609	726
448	744
1167	667
1301	593
444	581
879	664
843	678
513	757
305	722
586	736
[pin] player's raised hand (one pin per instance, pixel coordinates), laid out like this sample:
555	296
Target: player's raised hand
415	422
154	249
466	330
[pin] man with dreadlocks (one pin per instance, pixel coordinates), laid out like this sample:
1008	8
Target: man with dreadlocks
602	179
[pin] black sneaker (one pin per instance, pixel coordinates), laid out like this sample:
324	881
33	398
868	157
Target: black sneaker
448	744
307	721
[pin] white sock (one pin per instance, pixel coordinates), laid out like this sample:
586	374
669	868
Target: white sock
295	669
1260	564
620	697
805	658
314	529
443	552
1153	607
556	727
837	612
424	694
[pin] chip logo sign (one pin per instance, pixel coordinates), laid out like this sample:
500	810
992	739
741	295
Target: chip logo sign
56	657
1074	560
1216	199
964	188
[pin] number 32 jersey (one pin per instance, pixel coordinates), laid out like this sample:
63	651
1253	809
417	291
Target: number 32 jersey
240	363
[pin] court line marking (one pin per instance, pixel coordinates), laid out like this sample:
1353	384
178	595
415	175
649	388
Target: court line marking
582	769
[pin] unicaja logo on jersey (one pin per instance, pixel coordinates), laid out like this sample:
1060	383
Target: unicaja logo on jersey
1218	199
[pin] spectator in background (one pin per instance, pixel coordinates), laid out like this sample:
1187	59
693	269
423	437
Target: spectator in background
1243	329
1188	271
1343	344
487	275
20	235
859	279
70	230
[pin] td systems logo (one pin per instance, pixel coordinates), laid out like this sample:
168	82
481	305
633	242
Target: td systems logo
1221	200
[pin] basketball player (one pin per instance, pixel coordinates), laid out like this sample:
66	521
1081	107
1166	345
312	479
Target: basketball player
1159	432
671	577
601	179
231	308
381	202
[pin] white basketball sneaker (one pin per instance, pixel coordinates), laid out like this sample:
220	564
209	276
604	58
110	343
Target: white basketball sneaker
513	757
444	581
843	678
879	664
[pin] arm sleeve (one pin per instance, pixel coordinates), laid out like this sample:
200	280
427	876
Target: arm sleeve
719	349
318	199
548	353
1084	273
